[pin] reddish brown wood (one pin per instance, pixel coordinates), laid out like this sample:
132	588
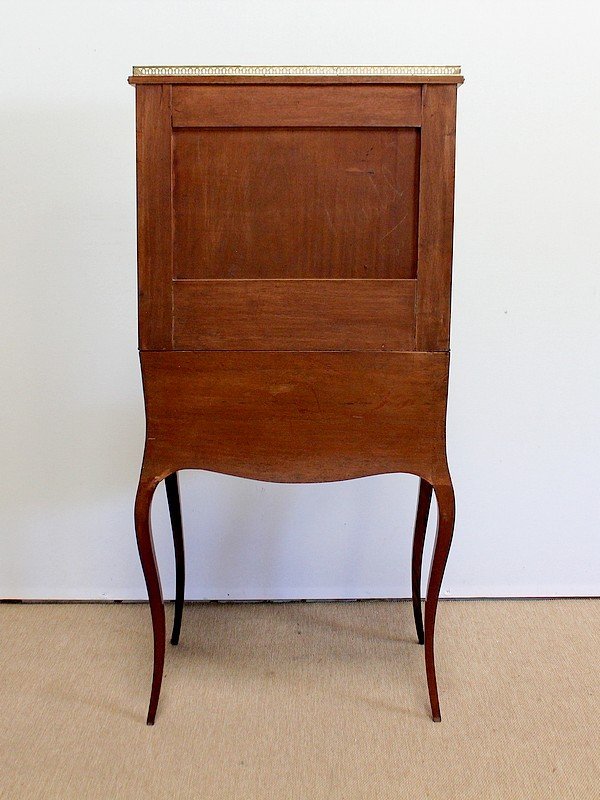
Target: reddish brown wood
299	106
295	417
436	214
294	277
444	494
174	502
294	315
295	202
153	127
145	544
424	502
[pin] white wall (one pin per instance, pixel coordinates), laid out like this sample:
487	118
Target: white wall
524	440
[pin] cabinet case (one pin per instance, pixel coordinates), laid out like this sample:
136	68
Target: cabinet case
294	269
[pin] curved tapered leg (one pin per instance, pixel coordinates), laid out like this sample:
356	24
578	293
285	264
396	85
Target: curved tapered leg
445	499
174	501
425	491
143	531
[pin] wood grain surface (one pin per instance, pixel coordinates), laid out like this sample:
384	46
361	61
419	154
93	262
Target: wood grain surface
295	417
295	203
155	270
298	106
294	315
436	217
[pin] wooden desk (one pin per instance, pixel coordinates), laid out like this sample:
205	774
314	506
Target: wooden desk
294	263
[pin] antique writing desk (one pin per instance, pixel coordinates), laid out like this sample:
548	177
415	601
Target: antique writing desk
294	265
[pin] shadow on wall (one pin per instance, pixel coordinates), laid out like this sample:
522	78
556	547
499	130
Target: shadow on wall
71	404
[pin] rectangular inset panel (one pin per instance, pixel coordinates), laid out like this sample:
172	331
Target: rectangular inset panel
296	417
226	106
296	203
294	315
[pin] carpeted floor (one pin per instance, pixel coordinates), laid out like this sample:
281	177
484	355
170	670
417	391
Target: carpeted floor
302	702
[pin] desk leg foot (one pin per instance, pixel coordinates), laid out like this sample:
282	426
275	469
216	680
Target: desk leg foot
143	531
425	491
446	511
174	501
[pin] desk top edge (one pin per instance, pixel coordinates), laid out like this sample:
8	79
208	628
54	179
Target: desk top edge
296	74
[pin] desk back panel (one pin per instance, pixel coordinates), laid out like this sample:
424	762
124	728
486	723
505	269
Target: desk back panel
310	217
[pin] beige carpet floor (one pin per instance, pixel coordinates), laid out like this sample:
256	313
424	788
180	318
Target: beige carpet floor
302	701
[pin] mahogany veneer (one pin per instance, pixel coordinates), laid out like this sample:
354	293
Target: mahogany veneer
294	265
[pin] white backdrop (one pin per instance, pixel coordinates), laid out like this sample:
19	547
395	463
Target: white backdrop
524	442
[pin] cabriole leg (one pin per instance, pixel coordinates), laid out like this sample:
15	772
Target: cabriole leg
174	501
425	491
143	530
444	494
